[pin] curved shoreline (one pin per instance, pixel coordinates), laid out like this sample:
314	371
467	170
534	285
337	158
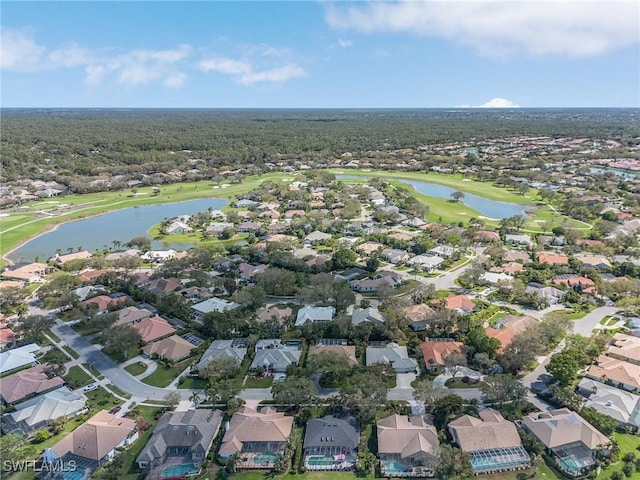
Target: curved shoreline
53	227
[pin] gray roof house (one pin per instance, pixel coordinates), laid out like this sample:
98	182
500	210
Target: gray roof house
235	349
425	262
314	315
363	315
317	236
394	256
274	356
518	239
613	402
551	295
37	412
393	354
18	357
180	438
331	443
199	310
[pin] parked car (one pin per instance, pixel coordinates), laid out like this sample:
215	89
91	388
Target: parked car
115	409
91	387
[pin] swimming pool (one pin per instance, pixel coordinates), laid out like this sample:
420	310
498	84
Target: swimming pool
76	474
265	459
180	470
320	461
393	466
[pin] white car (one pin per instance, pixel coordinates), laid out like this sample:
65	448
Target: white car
90	388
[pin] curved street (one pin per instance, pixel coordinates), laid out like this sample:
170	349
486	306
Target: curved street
119	377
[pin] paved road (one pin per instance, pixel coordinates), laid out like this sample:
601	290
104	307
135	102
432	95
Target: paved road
90	354
585	325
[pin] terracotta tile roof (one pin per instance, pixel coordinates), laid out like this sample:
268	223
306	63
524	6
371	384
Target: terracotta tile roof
348	351
455	302
407	436
562	427
550	258
417	313
28	382
7	336
434	353
491	431
626	347
171	348
96	437
615	370
512	326
153	328
248	425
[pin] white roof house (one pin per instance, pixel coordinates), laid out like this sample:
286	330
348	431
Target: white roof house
443	250
18	357
493	278
36	412
426	262
199	310
314	314
611	401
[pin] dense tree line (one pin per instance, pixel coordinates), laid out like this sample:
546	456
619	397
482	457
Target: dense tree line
86	143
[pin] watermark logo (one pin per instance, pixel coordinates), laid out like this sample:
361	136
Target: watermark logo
38	466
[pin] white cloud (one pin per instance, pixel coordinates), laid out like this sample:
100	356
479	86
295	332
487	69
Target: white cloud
497	102
245	73
345	43
575	28
19	52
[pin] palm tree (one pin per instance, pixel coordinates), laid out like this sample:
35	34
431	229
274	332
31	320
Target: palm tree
195	398
232	462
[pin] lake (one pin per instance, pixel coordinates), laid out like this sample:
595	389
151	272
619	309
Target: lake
122	225
617	172
487	207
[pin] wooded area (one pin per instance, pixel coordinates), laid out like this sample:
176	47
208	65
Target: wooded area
55	144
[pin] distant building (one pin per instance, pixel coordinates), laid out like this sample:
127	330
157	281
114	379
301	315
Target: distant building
391	354
199	310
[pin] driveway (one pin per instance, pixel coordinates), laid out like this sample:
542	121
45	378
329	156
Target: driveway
90	354
403	389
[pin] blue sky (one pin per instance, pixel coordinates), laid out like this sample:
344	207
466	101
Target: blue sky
243	54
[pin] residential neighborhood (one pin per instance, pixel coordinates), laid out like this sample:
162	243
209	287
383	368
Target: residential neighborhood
339	331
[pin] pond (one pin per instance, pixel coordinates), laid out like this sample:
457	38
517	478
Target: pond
97	233
487	207
618	173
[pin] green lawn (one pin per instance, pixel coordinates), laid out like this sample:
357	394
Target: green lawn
627	443
100	399
164	375
130	467
458	383
70	351
253	382
136	368
76	377
117	391
93	371
193	383
53	335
